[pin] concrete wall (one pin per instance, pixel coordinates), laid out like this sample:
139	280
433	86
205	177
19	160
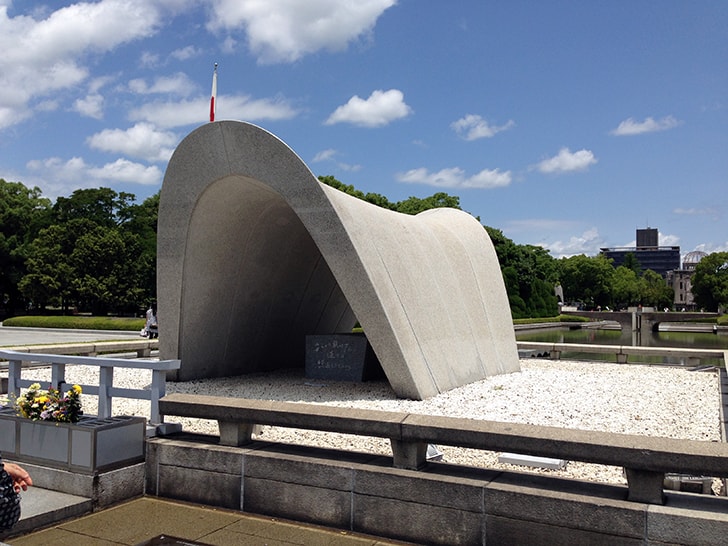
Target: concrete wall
443	504
254	254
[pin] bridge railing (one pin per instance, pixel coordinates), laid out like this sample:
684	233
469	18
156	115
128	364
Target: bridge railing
690	357
639	320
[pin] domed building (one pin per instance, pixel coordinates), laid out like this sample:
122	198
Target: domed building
681	281
691	259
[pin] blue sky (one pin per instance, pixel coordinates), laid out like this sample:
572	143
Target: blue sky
567	124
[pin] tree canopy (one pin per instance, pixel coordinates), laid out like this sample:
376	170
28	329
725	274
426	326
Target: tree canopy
529	274
23	213
710	282
588	279
96	252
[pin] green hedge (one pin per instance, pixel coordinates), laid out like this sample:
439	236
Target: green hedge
560	318
78	322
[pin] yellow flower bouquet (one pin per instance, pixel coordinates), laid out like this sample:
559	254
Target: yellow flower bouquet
50	405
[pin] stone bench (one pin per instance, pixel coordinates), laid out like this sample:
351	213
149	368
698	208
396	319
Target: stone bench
646	459
622	352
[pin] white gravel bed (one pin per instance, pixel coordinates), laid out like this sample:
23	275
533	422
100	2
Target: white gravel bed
634	399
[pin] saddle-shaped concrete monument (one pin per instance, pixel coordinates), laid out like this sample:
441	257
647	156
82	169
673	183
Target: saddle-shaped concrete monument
254	254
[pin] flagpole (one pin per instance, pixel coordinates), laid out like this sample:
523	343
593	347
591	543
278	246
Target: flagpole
213	94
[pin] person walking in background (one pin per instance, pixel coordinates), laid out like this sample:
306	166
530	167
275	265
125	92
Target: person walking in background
149	315
152	327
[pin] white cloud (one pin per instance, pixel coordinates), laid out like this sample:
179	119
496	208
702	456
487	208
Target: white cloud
649	125
228	45
63	177
330	155
91	106
667	240
12	115
381	108
149	59
566	161
45	55
325	155
710	248
455	177
64	171
285	30
186	53
473	127
96	84
542	225
143	141
196	111
47	106
177	84
587	243
123	170
693	211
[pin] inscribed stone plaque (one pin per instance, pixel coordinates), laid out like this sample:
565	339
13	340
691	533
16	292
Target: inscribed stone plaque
341	357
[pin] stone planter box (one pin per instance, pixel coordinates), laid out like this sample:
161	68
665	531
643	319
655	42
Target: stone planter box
89	446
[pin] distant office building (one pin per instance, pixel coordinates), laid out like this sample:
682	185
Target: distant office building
660	259
681	281
647	238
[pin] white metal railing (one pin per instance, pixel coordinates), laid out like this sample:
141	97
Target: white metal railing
105	390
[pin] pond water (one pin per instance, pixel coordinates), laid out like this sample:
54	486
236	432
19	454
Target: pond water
613	336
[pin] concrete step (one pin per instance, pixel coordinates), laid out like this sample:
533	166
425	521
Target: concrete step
43	507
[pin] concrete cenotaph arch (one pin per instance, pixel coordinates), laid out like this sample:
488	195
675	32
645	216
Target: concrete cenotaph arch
254	254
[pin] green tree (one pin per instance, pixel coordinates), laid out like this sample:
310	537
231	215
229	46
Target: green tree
519	308
50	273
626	289
100	254
655	291
710	282
106	275
411	205
373	198
142	222
103	206
587	279
23	213
530	275
415	205
631	262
